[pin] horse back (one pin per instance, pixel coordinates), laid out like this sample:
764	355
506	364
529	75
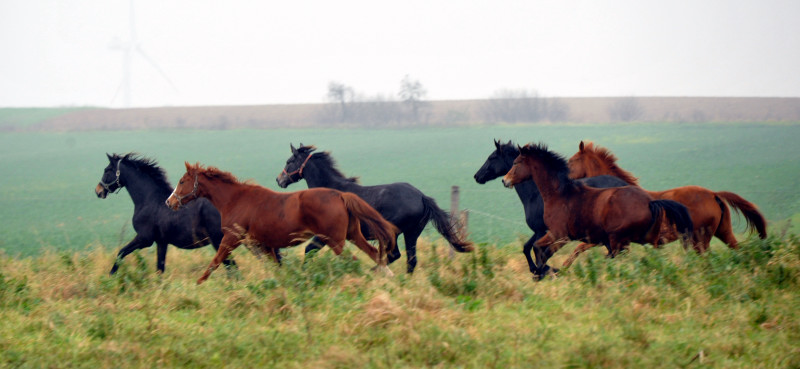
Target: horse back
618	208
701	203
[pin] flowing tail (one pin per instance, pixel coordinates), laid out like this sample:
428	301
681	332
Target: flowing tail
443	224
755	220
383	231
676	213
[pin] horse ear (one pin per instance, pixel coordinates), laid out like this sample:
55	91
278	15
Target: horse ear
110	158
580	147
294	151
188	166
497	144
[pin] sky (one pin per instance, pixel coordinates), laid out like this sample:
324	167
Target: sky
203	52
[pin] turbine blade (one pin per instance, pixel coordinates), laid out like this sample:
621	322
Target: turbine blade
157	68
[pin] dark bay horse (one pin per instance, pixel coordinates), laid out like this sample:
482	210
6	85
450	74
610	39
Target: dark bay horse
498	164
193	226
613	216
400	203
251	213
708	209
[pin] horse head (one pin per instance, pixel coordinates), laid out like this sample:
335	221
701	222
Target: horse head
110	180
498	163
293	171
187	188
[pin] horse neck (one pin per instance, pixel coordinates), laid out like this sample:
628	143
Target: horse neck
224	195
318	175
550	185
600	167
527	191
142	188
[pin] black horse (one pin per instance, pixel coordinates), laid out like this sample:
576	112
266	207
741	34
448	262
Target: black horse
497	165
193	226
400	203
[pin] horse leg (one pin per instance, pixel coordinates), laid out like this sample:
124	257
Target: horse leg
411	251
526	250
276	255
228	244
615	245
395	253
314	246
581	248
725	233
161	256
136	243
544	248
370	250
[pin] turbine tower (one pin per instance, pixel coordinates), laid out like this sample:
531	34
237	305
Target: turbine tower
129	49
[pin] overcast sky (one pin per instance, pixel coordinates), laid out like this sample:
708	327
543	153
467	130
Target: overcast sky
60	53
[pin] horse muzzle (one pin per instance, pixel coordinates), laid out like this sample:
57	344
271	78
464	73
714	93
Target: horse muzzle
100	191
283	180
173	203
507	183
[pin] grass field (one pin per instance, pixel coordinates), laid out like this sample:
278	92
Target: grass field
47	198
647	308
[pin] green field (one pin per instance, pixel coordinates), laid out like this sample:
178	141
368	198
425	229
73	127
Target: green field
645	309
648	308
47	188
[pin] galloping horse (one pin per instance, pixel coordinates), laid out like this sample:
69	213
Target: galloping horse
193	226
400	203
573	211
498	164
276	220
710	215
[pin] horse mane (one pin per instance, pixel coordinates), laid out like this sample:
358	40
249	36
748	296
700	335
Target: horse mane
147	166
553	163
327	162
610	160
507	148
219	174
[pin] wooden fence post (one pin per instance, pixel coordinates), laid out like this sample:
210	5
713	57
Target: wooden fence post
459	218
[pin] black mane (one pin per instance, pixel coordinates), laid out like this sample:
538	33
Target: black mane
147	166
326	160
508	149
553	163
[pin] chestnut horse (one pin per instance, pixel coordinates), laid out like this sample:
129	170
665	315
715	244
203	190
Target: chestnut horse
710	214
275	220
612	216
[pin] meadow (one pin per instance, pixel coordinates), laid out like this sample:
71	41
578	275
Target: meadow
47	196
646	308
665	308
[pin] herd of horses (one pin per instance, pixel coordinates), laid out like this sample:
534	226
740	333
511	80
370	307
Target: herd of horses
587	198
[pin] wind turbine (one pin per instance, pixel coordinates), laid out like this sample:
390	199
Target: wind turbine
129	48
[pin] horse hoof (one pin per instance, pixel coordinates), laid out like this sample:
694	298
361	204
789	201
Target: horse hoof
383	270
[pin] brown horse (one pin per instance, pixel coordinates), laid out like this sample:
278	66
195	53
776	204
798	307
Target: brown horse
612	216
275	220
710	214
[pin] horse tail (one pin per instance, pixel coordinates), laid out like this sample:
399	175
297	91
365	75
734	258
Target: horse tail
675	213
383	231
755	220
444	224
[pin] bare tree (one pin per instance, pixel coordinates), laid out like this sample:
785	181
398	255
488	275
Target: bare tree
412	93
342	95
626	109
512	106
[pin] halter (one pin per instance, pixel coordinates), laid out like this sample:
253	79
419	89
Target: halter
194	192
107	186
299	171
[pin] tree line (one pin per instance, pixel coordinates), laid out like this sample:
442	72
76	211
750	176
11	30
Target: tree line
346	106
